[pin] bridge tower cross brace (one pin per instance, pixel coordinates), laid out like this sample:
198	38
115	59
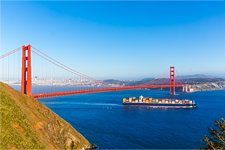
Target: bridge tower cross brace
172	81
26	81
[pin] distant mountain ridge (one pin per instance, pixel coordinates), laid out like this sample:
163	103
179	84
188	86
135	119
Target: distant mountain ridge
187	79
195	76
128	82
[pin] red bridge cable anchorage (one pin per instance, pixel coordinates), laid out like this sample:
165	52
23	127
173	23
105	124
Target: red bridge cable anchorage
50	59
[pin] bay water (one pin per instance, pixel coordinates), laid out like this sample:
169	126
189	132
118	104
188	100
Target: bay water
105	122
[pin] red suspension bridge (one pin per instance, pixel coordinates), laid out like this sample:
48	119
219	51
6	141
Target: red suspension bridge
81	83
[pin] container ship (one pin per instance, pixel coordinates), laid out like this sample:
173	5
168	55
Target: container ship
164	103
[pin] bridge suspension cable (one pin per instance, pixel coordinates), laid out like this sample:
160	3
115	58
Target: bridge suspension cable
57	63
11	67
10	53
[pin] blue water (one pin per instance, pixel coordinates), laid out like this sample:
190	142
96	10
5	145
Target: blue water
104	121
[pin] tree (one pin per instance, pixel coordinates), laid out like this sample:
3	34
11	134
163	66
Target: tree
216	139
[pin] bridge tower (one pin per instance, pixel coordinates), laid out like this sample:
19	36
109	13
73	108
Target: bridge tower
172	81
26	82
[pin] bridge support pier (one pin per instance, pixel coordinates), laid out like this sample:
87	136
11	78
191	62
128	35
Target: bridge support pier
172	81
26	81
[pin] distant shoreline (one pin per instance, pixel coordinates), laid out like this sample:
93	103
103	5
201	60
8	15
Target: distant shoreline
209	86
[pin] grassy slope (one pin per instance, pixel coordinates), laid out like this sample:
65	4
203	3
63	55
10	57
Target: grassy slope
28	124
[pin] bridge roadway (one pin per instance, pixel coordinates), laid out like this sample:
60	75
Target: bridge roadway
100	90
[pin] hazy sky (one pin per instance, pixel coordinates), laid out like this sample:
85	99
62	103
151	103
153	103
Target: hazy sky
121	39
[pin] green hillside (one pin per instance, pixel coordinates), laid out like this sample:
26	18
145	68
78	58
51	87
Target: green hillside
28	124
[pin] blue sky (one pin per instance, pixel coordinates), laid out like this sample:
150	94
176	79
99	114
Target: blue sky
123	40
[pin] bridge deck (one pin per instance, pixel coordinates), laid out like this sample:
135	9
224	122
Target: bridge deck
100	90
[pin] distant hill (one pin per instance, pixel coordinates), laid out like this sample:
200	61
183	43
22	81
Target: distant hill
158	81
201	80
28	124
189	79
198	76
128	82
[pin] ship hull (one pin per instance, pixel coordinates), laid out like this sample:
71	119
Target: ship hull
162	105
